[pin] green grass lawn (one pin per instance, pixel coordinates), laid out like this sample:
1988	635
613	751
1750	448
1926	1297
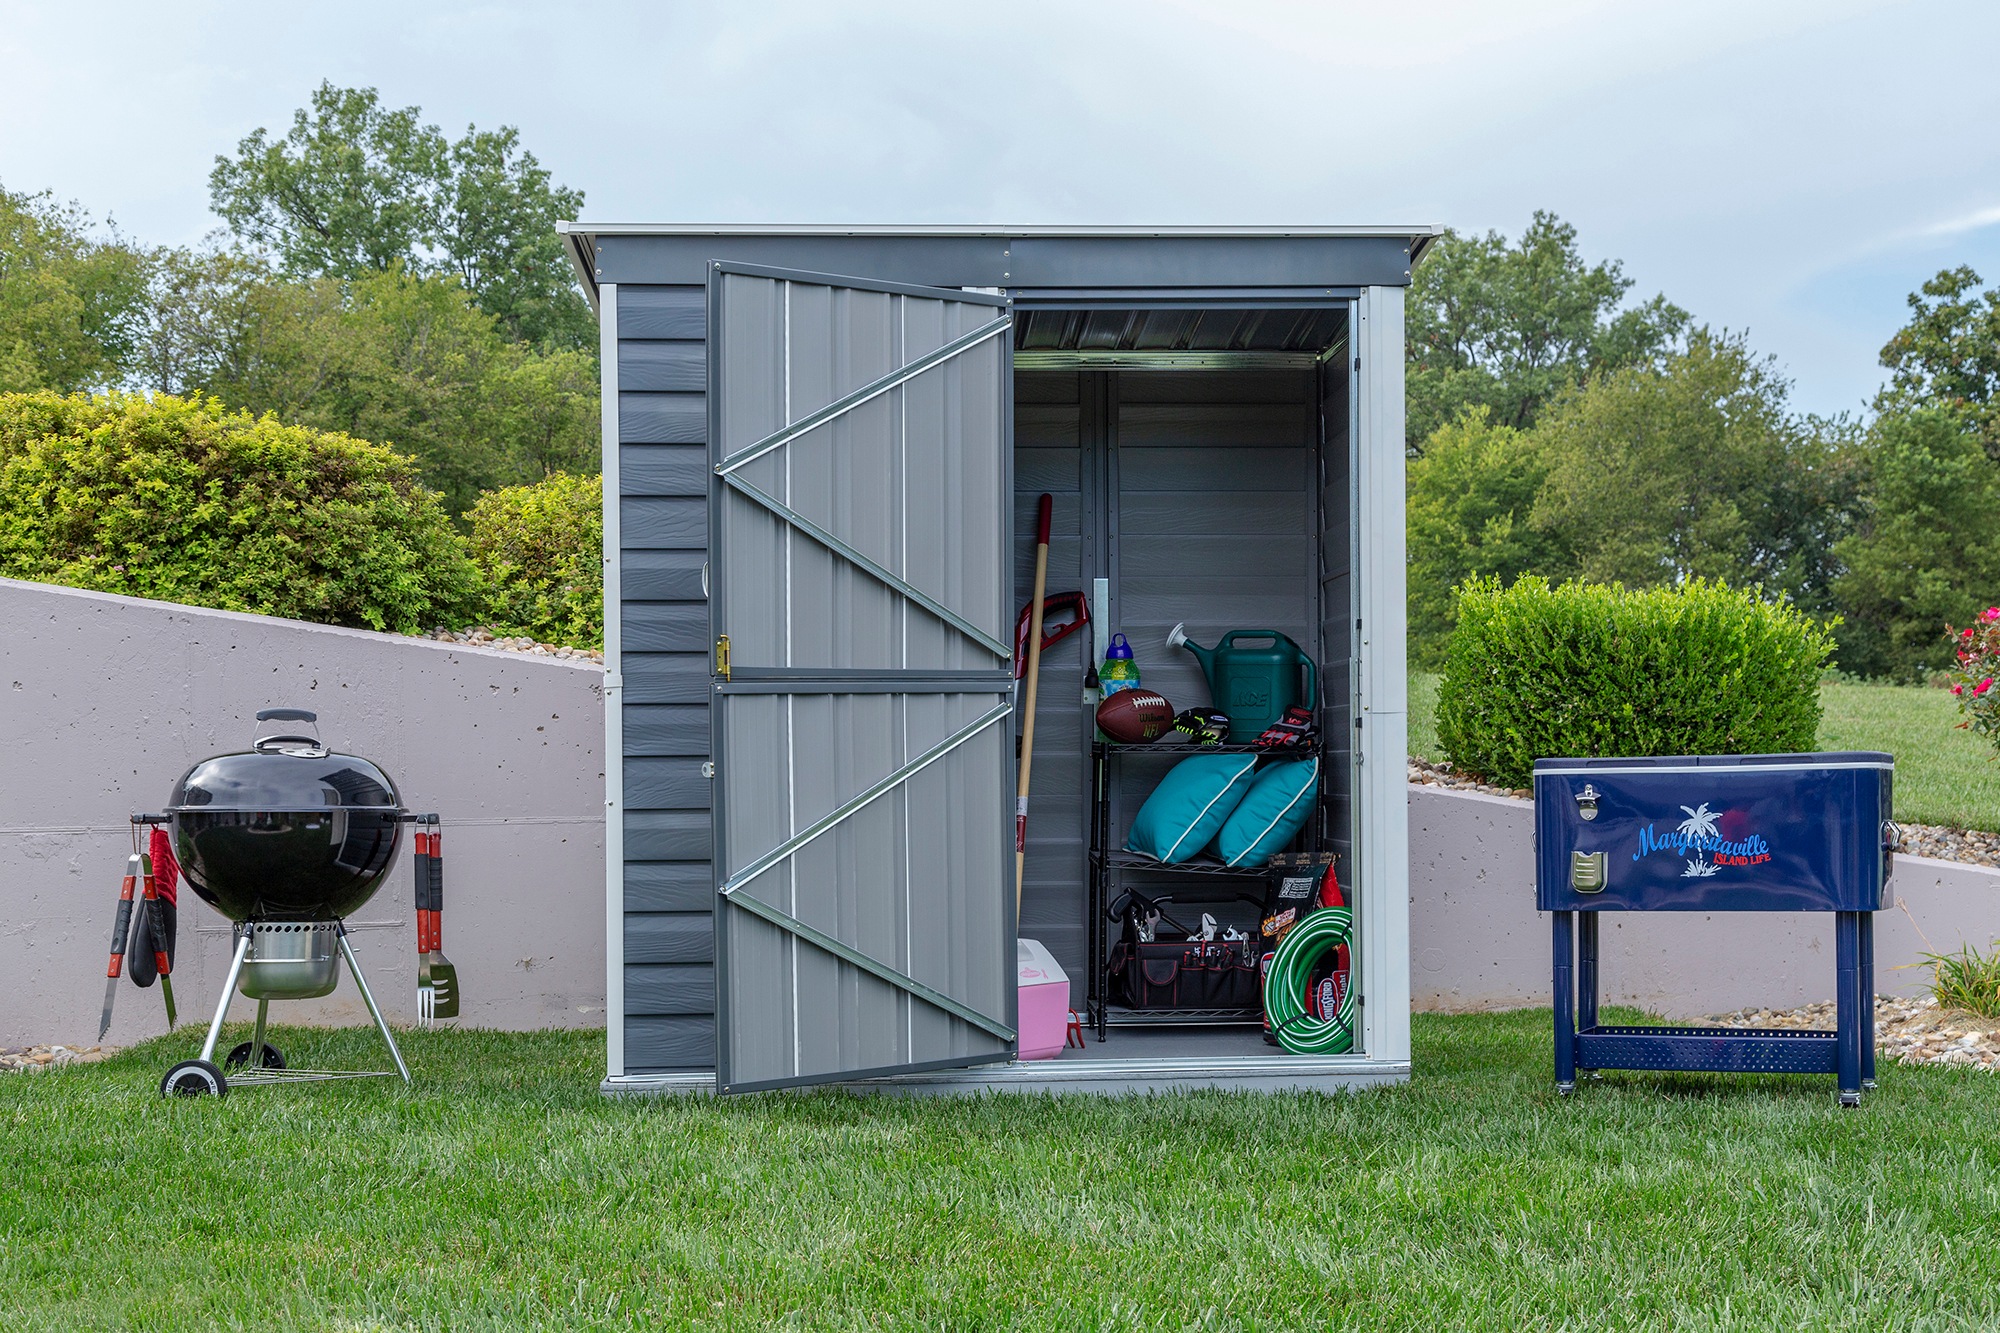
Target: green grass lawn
502	1191
1943	775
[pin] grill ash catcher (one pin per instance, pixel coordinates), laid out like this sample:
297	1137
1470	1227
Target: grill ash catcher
1730	833
287	839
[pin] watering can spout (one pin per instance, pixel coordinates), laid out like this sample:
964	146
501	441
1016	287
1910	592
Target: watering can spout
1177	638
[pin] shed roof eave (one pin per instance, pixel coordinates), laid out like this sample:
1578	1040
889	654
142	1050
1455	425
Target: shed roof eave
1420	234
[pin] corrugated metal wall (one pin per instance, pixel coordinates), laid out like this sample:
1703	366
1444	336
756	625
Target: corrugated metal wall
663	488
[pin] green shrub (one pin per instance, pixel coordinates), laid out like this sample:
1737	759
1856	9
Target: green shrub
1596	670
541	550
183	501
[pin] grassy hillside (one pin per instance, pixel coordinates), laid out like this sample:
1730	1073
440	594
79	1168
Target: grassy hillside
1943	775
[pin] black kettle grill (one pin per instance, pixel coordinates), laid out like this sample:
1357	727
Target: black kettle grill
285	839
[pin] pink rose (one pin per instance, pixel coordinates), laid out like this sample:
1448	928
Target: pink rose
1983	686
1992	613
1958	689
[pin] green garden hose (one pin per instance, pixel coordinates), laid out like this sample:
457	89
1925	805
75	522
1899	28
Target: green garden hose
1302	949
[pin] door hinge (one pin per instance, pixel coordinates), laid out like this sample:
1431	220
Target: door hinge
722	656
1357	365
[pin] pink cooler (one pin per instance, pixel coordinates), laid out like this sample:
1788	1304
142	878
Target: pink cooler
1044	1007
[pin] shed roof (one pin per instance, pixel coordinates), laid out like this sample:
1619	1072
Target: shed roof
1053	257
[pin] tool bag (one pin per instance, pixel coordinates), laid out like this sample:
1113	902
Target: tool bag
1186	974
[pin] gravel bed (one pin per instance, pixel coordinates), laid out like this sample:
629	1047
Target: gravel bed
16	1059
486	638
1911	1032
1427	774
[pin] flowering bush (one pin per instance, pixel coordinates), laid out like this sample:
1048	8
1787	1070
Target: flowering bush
1972	679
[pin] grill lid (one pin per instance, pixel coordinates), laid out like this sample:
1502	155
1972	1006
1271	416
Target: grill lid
284	771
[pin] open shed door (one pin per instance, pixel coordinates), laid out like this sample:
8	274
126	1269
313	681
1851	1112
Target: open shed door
859	531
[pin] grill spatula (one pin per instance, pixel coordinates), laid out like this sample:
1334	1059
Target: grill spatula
443	975
426	992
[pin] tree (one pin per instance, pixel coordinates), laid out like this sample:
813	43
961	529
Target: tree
69	301
355	188
1927	554
1948	355
1510	327
1470	497
411	362
1696	470
199	305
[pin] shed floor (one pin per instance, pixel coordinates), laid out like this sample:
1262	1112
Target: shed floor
1187	1043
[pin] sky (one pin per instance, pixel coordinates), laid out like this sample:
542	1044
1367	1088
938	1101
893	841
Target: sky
1791	170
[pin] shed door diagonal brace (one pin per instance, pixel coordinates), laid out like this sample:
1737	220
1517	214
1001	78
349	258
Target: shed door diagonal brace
727	471
733	890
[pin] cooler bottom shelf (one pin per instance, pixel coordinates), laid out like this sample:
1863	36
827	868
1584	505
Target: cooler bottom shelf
1709	1050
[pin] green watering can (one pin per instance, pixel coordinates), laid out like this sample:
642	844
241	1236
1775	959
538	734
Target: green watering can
1253	675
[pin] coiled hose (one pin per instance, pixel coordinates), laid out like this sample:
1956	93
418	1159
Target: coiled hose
1304	947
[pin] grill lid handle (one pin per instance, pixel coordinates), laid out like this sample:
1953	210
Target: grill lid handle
286	715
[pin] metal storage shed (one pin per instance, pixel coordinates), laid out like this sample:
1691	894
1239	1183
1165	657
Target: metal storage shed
822	450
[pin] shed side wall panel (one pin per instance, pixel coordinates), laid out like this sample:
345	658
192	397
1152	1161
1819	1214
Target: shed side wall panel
662	416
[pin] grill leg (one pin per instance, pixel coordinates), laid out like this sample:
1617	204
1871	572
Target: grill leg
256	1060
228	989
368	998
1565	1000
1848	1021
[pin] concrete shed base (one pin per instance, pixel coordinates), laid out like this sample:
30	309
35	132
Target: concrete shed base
1270	1073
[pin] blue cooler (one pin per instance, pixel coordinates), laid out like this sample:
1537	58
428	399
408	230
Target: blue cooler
1715	833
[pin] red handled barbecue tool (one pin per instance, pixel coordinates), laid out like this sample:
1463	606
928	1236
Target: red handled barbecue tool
1034	677
437	992
426	991
119	930
156	920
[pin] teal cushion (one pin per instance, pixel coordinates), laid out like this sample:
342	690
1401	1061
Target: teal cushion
1190	804
1271	813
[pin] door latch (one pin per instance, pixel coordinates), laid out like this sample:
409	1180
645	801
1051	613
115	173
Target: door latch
722	656
1589	872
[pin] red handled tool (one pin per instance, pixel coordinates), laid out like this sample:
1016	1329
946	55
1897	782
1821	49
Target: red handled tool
1072	604
1034	676
426	990
120	928
156	920
442	972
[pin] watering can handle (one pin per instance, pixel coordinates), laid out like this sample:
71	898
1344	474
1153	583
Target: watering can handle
1312	667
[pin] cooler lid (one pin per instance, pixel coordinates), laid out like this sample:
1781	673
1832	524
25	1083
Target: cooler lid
1036	966
1643	763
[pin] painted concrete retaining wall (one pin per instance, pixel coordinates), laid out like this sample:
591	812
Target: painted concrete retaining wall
105	701
1476	941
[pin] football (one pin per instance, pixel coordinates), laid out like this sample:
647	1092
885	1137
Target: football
1133	717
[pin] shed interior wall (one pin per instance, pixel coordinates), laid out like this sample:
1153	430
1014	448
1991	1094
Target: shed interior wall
1204	497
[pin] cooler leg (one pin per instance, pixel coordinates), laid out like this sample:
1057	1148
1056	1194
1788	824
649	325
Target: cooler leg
1586	970
1867	999
1847	1020
1565	1003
